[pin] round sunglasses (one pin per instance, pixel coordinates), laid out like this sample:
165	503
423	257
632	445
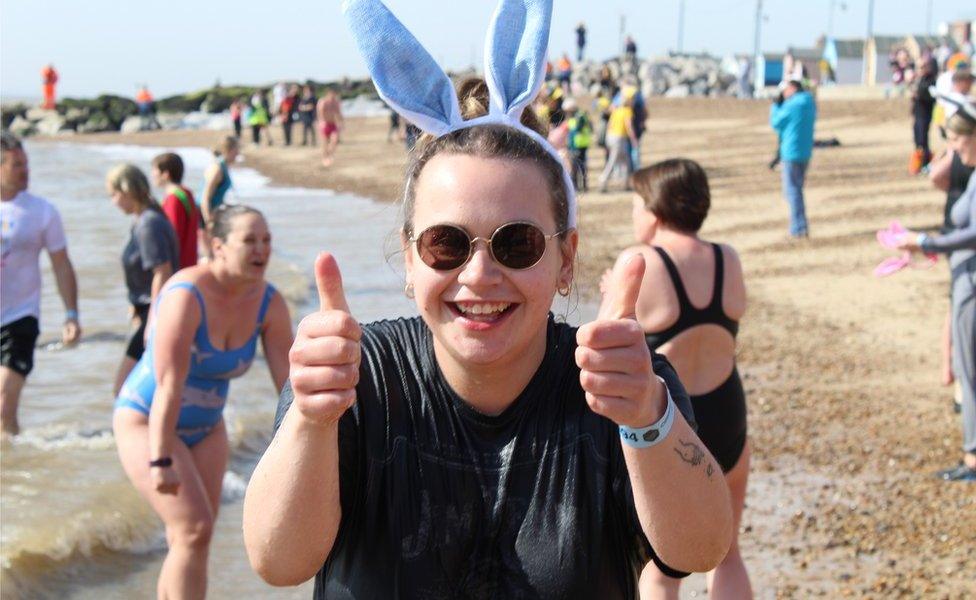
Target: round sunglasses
516	245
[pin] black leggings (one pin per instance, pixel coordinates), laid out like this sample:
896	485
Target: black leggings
721	417
923	120
136	344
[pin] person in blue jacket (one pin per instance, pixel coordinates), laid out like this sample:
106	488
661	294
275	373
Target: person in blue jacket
793	117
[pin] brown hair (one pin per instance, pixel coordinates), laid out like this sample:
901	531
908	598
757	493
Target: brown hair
8	143
171	164
961	125
676	191
226	145
488	141
130	179
223	218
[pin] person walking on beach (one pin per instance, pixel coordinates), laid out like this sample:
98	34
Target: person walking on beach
685	272
580	41
236	113
216	184
580	137
529	458
149	258
259	118
960	245
178	205
28	224
794	119
306	114
168	419
620	139
286	112
922	106
329	111
49	82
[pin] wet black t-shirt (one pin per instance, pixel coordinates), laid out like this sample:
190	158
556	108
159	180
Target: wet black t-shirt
441	501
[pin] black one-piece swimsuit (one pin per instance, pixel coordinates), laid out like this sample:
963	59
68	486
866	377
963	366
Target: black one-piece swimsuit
720	413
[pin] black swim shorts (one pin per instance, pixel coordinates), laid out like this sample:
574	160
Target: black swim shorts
17	341
136	341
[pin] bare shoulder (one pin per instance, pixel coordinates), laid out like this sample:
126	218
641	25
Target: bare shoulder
734	287
195	275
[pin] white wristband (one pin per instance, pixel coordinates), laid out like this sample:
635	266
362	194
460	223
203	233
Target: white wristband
653	434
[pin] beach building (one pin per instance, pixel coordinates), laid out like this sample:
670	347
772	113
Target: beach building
877	52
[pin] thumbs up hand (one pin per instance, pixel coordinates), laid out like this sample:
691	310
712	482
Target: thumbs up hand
615	364
324	360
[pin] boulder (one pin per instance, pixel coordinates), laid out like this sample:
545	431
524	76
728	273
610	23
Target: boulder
9	112
132	124
51	124
678	91
96	123
36	113
21	127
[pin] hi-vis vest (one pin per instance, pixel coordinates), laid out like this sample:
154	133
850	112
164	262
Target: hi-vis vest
580	132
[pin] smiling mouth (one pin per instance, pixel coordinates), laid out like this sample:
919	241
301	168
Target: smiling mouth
482	312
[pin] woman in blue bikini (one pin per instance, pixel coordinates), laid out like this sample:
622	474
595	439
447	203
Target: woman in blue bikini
168	423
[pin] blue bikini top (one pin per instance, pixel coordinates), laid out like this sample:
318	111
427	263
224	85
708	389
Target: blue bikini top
207	362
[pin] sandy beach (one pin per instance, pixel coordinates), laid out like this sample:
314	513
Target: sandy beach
847	418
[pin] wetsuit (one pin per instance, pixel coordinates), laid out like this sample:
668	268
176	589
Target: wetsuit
441	501
720	413
208	381
959	175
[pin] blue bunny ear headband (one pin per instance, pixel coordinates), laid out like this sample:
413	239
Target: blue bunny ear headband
409	79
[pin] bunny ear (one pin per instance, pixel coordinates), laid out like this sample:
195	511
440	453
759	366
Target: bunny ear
515	54
406	76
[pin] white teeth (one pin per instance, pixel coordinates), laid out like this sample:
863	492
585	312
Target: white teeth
483	309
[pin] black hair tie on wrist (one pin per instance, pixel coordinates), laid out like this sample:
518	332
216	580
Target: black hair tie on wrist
161	462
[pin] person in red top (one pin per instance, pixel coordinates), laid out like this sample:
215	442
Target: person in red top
178	205
49	79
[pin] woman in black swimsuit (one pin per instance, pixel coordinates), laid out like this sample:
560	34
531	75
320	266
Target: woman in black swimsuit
690	303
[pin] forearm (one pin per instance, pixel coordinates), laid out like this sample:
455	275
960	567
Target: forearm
163	416
950	242
291	507
67	284
160	275
682	499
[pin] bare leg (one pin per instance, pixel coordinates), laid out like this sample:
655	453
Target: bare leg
655	585
125	367
730	578
11	383
189	514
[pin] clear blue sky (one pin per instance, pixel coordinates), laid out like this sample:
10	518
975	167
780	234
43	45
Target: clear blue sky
180	45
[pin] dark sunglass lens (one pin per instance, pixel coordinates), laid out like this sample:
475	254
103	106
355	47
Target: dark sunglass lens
518	245
443	247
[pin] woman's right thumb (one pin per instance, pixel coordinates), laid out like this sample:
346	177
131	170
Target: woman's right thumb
328	280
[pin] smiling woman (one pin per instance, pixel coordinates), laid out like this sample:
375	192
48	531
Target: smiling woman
168	420
482	449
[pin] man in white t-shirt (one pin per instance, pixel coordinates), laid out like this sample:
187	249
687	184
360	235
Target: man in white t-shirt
28	224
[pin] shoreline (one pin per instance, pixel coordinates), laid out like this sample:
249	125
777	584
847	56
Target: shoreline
837	364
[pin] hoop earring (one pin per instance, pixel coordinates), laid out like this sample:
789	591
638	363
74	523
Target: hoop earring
563	290
408	290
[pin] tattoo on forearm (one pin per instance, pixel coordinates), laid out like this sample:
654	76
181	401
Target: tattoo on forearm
690	453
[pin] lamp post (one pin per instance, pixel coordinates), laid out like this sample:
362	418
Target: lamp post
681	27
